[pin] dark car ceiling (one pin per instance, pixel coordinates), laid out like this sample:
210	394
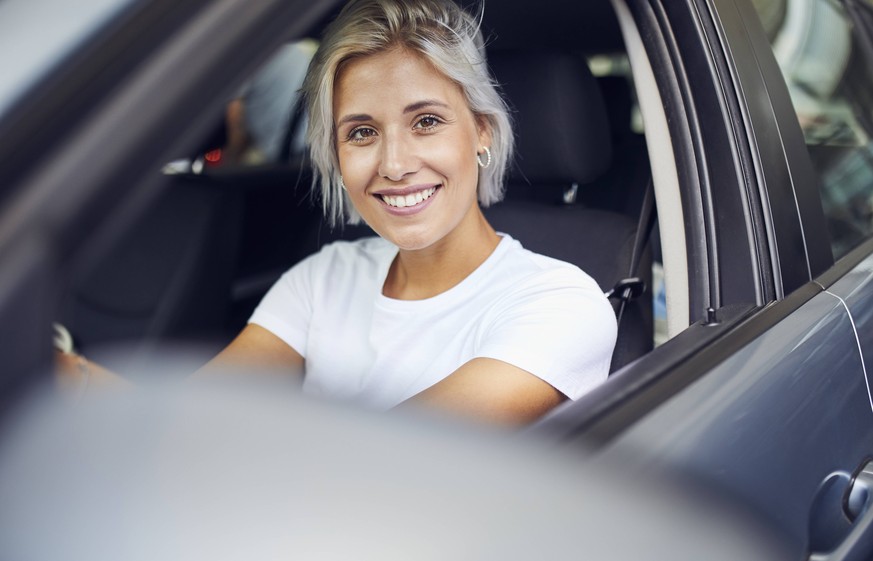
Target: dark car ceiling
588	26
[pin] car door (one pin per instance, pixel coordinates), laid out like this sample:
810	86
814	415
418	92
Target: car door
765	397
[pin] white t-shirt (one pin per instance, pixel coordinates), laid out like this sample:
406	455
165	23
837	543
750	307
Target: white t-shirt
537	313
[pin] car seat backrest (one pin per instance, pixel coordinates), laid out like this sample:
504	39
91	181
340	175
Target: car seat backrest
565	144
563	132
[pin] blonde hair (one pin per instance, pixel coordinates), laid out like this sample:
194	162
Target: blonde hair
441	32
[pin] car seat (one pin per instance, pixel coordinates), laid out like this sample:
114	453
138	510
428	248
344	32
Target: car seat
565	144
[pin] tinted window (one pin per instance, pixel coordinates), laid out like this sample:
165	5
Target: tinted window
831	85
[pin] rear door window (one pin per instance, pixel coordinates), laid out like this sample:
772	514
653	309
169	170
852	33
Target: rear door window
830	79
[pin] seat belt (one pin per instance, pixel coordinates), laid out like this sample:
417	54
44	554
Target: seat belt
632	286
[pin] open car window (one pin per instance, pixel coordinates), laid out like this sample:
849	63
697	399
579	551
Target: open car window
238	212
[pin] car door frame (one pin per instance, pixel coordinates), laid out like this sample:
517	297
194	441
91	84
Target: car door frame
741	156
142	86
682	399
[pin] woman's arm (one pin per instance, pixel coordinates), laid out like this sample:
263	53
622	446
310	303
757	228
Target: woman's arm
551	339
256	349
491	390
75	374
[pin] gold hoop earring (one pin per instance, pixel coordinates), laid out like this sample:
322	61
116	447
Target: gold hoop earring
487	162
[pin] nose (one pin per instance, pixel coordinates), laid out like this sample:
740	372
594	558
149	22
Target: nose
397	158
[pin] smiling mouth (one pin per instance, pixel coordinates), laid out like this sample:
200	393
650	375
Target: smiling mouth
403	201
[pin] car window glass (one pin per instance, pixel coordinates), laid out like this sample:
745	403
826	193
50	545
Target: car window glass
261	117
261	123
830	81
617	65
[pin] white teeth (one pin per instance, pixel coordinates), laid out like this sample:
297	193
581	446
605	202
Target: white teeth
409	200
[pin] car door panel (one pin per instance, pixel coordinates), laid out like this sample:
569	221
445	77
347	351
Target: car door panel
855	290
761	426
776	420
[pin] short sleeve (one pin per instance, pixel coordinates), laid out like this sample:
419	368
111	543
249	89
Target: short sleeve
558	326
286	309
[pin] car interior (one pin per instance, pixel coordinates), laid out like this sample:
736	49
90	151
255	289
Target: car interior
194	265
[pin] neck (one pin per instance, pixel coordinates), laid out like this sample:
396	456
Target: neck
424	273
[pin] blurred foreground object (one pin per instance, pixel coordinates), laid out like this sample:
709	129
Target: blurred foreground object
232	472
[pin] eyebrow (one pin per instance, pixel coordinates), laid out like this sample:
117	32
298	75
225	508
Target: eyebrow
419	105
357	118
411	108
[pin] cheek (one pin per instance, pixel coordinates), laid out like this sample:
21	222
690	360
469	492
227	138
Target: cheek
354	167
454	160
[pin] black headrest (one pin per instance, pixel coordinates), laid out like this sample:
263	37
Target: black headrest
617	90
561	124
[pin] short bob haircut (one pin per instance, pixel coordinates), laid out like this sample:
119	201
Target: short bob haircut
438	30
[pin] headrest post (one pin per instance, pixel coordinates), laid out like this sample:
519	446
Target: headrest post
570	194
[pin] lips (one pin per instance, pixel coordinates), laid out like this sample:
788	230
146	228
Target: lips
408	200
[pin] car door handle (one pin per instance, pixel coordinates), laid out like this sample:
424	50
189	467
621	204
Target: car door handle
858	508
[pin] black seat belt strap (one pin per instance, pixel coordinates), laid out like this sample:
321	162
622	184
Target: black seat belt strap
632	286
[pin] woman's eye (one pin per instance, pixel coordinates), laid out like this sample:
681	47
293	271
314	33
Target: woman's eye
361	134
428	122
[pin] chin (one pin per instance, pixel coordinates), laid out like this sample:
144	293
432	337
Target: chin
411	239
411	242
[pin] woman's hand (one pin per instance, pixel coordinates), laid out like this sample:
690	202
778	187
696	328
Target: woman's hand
74	374
255	349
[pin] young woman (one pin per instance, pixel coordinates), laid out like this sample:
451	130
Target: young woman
408	133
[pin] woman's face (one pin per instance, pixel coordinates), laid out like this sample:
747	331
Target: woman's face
407	145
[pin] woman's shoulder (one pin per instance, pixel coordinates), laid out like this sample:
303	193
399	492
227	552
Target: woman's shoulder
528	267
554	295
346	263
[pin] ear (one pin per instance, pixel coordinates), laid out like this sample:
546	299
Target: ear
483	128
